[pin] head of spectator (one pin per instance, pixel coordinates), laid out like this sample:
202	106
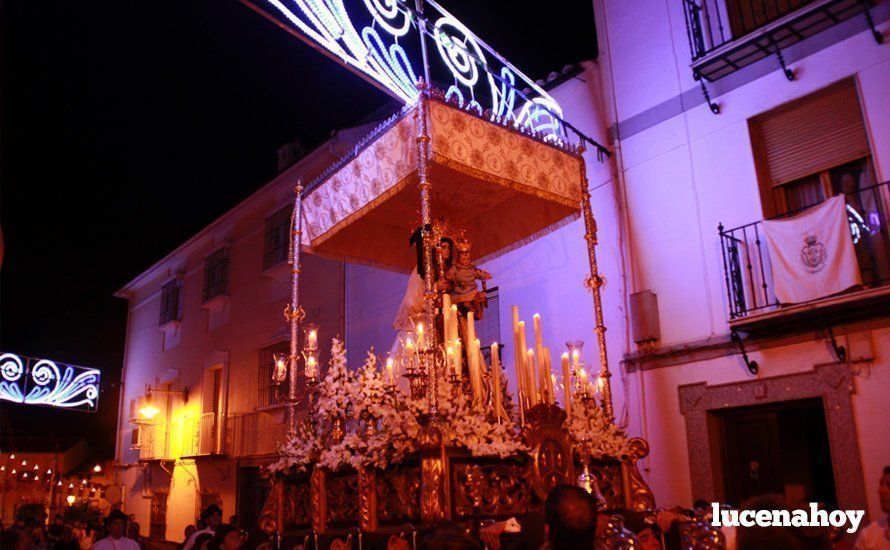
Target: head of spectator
133	530
212	516
570	513
116	524
189	531
233	521
226	537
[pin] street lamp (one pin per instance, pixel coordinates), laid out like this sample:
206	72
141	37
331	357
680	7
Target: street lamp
70	499
97	468
148	410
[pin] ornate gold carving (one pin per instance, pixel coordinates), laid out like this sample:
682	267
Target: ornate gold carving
608	477
638	495
296	504
269	515
432	497
319	500
398	495
342	498
490	490
551	449
367	499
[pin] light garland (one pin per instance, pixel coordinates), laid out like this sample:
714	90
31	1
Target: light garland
44	382
373	49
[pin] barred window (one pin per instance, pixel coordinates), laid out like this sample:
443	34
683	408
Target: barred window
269	393
171	307
216	274
276	238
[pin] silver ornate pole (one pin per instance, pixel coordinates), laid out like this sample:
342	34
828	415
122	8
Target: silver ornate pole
294	313
595	283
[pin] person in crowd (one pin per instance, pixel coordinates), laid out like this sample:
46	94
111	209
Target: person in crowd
55	531
202	540
258	540
226	537
212	516
189	531
775	537
648	533
448	536
67	540
116	524
82	535
571	518
13	539
877	535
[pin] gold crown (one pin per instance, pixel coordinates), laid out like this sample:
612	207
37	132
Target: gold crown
462	244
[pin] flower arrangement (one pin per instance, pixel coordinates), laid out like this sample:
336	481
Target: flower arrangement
360	421
593	435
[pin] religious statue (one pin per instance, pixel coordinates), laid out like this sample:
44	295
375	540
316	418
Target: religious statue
462	277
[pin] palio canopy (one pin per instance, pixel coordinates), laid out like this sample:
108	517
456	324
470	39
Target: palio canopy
503	187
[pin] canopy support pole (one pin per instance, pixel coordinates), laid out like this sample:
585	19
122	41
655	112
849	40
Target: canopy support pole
595	282
429	337
294	313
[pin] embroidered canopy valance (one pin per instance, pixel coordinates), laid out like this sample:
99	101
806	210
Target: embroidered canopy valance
502	186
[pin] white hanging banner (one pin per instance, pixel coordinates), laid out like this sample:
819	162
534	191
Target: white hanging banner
812	254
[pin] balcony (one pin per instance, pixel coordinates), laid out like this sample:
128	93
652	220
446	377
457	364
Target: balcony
726	35
753	306
211	435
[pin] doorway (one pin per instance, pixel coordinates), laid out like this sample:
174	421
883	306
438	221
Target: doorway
253	491
775	448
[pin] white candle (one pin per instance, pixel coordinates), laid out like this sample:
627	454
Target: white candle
457	359
446	317
389	371
543	374
576	358
496	378
567	385
313	340
548	376
518	360
528	365
534	397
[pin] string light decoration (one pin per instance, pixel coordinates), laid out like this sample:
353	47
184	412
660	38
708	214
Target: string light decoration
386	42
43	382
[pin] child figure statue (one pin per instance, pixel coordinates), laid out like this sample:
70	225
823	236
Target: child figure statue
462	276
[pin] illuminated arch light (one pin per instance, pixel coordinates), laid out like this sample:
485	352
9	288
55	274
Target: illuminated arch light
44	382
327	23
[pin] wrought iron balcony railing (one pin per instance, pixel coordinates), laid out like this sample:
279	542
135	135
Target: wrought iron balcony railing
746	262
727	35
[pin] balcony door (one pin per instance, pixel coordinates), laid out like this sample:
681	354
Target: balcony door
212	406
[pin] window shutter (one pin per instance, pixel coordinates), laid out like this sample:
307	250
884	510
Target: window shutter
815	133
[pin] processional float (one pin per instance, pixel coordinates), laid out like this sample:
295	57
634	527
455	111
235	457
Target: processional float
377	453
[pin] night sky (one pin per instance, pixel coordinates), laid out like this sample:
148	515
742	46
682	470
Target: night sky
126	127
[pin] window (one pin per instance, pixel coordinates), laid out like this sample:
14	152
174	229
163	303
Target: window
748	15
269	393
276	237
796	145
171	303
488	329
216	274
815	148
